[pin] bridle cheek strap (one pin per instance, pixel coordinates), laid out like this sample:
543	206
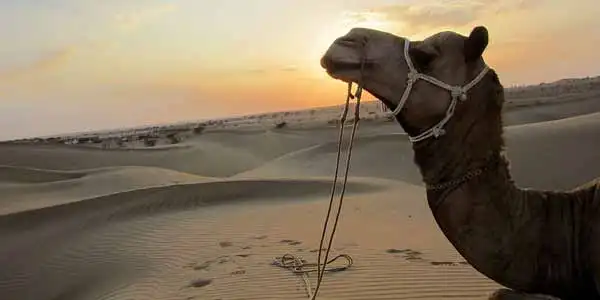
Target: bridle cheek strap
457	93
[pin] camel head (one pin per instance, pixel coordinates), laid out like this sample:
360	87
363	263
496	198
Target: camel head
377	60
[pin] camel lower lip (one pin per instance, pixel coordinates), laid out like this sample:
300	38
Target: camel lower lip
340	77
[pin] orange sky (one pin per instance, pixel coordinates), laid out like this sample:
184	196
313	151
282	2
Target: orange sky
75	65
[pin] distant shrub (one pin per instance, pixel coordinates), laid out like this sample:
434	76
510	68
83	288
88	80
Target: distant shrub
173	138
149	142
199	129
280	125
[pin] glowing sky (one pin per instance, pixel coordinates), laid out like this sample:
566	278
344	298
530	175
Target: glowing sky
76	65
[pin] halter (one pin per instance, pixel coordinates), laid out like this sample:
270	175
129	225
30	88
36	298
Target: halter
457	93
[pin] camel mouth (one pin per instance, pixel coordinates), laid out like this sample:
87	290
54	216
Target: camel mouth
332	65
336	68
343	66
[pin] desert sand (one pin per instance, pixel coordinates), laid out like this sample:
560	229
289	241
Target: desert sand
204	218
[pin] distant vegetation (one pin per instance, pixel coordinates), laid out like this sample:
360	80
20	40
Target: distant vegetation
199	129
173	138
564	86
149	142
280	125
516	96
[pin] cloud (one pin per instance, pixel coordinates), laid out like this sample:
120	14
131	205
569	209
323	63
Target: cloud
289	69
263	71
133	19
428	15
48	61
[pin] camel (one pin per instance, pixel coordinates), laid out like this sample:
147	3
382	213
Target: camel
536	244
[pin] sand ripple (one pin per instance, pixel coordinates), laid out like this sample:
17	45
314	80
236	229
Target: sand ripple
216	240
9	174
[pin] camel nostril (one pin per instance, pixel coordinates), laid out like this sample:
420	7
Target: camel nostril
353	41
348	41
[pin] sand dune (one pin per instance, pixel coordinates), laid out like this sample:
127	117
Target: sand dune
577	105
70	186
531	148
566	150
9	174
393	162
130	217
205	219
214	155
160	245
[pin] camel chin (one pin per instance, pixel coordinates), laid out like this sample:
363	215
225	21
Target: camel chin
346	76
344	71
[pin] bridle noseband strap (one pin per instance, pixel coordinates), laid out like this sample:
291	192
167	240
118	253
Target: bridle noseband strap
457	93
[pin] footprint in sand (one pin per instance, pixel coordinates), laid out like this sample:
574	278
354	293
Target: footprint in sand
238	272
443	263
202	266
317	250
291	242
225	244
198	283
409	254
207	264
221	260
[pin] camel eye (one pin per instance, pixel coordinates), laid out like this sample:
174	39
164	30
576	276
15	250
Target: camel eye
421	59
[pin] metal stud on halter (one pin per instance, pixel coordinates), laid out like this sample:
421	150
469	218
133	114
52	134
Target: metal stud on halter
457	93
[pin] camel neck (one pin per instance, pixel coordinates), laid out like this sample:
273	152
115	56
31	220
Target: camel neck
447	160
473	215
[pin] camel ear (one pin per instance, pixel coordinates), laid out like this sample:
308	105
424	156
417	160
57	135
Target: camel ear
476	43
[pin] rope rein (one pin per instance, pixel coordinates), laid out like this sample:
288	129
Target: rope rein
297	264
301	267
